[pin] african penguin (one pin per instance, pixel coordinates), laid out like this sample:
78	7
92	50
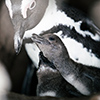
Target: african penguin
84	78
50	81
55	16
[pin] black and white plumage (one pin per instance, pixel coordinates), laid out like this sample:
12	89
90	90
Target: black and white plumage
84	78
50	81
78	33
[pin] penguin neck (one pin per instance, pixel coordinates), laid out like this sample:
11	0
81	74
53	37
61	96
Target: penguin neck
65	62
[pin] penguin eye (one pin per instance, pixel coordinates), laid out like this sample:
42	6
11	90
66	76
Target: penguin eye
51	38
32	5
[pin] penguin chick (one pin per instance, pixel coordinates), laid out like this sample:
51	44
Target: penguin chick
85	79
50	81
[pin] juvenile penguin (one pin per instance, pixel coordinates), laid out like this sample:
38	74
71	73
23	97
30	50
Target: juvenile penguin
84	78
55	16
50	81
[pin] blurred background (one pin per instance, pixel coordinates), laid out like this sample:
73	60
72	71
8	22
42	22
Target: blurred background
16	65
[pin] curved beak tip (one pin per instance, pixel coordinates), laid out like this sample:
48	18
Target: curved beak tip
17	44
18	49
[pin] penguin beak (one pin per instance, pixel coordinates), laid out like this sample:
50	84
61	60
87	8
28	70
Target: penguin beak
17	43
39	39
18	38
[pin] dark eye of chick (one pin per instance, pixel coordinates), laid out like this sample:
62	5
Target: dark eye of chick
51	38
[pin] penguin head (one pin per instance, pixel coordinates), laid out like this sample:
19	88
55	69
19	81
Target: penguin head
25	15
51	46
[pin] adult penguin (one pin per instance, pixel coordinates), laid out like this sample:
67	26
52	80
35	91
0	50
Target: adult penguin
55	16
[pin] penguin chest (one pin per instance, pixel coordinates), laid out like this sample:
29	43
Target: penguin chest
46	81
46	72
33	52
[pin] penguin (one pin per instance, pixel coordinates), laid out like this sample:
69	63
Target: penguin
55	16
84	78
50	81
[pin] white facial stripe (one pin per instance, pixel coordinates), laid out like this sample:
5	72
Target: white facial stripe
27	4
48	93
77	51
9	6
77	84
